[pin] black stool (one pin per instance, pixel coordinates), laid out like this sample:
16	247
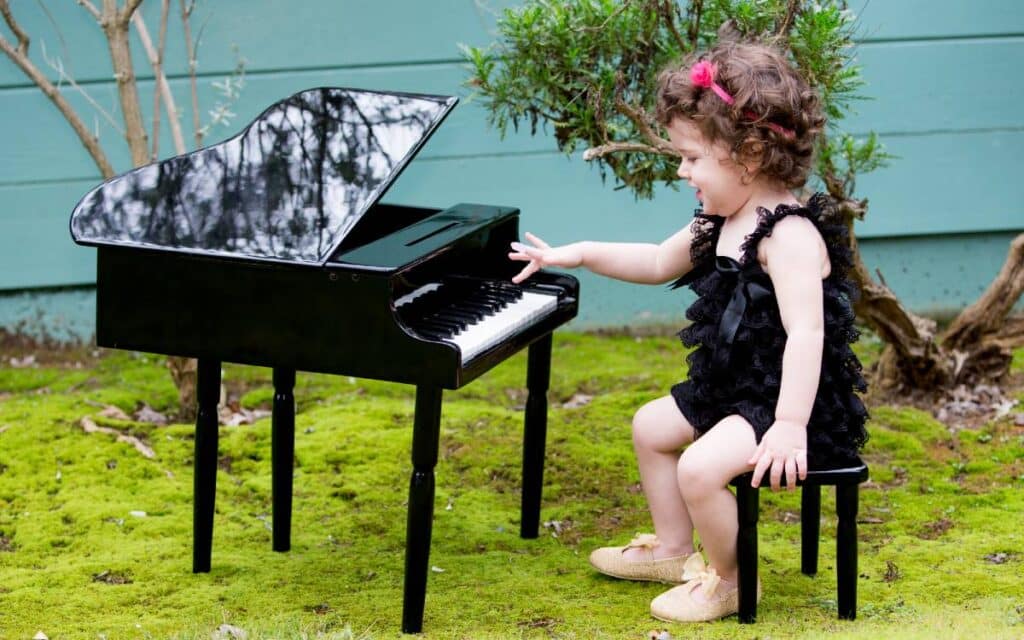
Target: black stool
847	482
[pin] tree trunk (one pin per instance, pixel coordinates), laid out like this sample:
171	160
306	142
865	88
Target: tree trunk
977	347
115	25
981	339
184	372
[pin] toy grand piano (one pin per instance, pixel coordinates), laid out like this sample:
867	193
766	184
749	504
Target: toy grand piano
273	249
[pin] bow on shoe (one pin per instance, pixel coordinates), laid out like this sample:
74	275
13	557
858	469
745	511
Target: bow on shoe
643	541
694	570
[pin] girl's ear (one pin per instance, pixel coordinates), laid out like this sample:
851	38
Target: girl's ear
749	156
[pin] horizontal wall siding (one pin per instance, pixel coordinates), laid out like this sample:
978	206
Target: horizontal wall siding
281	35
937	78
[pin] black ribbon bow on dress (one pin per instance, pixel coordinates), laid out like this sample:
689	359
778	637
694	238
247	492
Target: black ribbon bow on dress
745	291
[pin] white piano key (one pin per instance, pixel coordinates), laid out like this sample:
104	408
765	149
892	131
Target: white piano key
504	323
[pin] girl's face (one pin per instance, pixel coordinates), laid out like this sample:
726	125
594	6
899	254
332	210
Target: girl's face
709	169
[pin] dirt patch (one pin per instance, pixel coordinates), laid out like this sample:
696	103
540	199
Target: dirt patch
933	530
111	577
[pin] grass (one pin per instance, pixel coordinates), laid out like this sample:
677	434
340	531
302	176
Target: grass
95	539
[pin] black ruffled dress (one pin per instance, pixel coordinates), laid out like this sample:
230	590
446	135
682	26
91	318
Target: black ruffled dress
736	367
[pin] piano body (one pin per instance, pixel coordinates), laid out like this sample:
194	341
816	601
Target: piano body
272	249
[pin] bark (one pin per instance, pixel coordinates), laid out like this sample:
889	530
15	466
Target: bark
115	26
987	316
982	338
912	357
185	374
190	48
155	59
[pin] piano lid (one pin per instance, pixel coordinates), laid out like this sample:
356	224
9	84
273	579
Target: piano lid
288	188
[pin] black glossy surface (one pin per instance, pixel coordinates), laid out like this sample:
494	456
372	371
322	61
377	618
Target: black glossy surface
288	188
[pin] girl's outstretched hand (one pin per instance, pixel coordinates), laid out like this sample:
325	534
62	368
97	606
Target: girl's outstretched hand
542	255
783	449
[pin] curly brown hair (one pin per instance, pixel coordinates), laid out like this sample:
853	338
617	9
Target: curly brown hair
769	94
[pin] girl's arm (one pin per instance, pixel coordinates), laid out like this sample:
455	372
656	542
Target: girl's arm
643	263
795	257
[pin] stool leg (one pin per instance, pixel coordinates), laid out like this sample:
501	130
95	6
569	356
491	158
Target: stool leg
810	523
746	549
846	549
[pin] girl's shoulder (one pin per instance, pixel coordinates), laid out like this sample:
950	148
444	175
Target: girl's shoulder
817	218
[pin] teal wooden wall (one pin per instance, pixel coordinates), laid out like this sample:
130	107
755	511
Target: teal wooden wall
943	77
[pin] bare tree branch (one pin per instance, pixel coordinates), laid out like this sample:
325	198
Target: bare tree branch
987	315
63	76
594	153
89	141
129	10
786	23
91	8
163	89
696	8
22	37
165	9
190	50
642	122
667	10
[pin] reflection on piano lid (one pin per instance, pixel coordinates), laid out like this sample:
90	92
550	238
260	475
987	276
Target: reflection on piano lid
291	187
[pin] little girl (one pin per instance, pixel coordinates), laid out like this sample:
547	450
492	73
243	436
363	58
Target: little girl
772	380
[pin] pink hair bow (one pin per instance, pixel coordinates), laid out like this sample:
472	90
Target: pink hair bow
702	74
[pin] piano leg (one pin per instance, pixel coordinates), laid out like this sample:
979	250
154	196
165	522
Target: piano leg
425	434
282	455
538	376
205	477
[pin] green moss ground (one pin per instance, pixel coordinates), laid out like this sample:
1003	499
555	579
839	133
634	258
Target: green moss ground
941	541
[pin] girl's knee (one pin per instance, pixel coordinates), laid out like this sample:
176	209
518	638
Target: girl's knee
647	429
693	475
658	426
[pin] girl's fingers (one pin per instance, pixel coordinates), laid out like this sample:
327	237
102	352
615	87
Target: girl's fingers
527	271
790	473
757	453
801	463
777	467
763	463
537	241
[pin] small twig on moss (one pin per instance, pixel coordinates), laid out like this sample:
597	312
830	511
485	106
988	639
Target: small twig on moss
91	427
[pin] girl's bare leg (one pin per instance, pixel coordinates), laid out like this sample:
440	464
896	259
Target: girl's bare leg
704	472
659	433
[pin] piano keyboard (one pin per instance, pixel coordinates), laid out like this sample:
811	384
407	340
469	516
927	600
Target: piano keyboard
473	314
